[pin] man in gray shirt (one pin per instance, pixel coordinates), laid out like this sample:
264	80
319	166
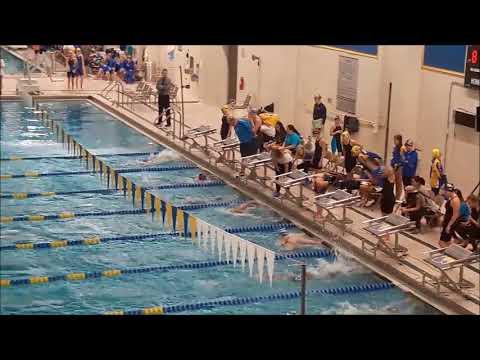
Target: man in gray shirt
164	85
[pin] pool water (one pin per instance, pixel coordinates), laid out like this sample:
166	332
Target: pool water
23	134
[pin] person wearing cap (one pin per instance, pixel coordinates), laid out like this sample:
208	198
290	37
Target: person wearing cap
452	214
409	162
293	241
413	207
437	174
248	143
347	144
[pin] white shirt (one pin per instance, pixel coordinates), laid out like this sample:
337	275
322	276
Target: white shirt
2	67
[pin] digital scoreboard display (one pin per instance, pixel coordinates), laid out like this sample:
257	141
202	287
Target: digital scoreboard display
472	67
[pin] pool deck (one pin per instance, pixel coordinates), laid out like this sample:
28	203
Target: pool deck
405	273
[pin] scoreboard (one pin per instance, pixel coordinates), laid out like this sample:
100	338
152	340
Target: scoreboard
472	67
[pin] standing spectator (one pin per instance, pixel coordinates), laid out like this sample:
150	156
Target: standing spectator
348	143
293	139
164	85
256	124
335	132
414	206
437	175
248	144
81	71
2	72
320	150
283	161
409	162
319	115
396	164
452	214
387	201
71	71
225	129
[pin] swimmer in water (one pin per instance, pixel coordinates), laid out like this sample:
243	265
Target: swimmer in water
244	207
202	177
293	241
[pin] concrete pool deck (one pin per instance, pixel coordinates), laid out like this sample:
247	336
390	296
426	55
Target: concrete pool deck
399	272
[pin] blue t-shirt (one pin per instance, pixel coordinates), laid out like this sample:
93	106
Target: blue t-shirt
293	139
465	211
244	131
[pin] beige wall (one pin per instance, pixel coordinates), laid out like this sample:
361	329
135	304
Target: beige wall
290	75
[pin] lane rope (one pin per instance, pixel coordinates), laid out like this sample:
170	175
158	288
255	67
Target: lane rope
20	157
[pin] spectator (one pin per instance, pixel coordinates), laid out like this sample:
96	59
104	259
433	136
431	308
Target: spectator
248	144
319	115
396	164
225	129
387	201
409	162
293	139
452	214
437	175
413	207
164	85
335	132
308	155
347	144
320	150
280	133
282	160
72	65
81	71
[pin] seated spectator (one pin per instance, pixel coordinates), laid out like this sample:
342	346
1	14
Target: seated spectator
308	153
432	206
108	67
293	139
320	151
280	133
413	207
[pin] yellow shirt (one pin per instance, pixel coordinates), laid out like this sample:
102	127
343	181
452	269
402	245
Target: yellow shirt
435	173
269	119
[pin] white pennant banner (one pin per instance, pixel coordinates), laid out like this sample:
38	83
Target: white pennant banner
206	235
234	244
251	256
200	231
226	243
219	243
260	262
270	255
213	238
243	252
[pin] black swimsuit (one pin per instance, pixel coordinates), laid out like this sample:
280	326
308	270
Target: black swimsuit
350	161
388	197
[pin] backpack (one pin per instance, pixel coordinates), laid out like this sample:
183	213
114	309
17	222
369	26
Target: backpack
351	124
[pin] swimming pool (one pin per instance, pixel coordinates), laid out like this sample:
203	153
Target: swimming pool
23	134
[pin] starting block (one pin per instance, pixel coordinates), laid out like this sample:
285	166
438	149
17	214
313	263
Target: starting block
385	226
251	163
337	199
287	180
222	147
195	133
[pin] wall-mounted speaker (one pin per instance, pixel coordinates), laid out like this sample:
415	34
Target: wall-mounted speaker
464	118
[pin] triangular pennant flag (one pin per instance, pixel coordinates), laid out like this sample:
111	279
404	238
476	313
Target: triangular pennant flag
205	234
148	200
243	251
157	208
260	262
227	243
234	245
213	238
108	176
163	210
200	233
182	220
270	255
168	215
121	184
129	189
251	256
219	243
193	228
114	179
138	196
174	218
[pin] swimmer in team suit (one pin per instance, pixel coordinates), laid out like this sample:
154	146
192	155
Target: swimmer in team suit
347	144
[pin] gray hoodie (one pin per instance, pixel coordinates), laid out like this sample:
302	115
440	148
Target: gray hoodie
163	86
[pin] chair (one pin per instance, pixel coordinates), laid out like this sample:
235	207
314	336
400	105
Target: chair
448	261
245	104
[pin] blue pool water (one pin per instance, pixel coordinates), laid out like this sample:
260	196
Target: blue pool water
23	134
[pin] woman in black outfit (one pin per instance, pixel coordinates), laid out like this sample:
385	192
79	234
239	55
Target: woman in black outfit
388	196
348	143
225	129
280	133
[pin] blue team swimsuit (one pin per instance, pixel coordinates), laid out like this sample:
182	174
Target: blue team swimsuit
80	65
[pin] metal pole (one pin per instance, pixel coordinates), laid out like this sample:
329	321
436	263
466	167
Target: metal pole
387	130
182	120
303	289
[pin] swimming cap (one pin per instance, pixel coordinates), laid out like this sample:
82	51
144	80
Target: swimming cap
252	111
449	187
409	142
225	107
345	136
356	150
283	232
436	153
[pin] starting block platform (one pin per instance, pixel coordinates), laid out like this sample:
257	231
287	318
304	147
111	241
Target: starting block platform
337	199
202	131
382	228
292	178
253	161
224	146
